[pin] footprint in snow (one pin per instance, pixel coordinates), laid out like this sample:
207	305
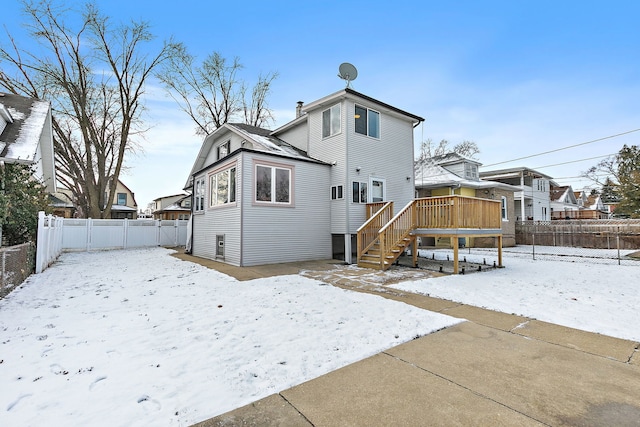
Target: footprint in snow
58	370
15	402
96	382
149	404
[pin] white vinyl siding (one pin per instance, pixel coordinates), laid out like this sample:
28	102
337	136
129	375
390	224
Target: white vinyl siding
274	233
391	160
225	222
367	121
331	121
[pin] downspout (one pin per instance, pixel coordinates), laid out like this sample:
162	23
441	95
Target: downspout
192	212
522	212
347	236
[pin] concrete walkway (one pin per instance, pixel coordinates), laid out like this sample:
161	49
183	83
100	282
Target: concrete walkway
493	369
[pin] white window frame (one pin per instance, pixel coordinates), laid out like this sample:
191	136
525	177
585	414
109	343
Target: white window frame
337	192
215	178
362	198
332	121
367	121
471	171
224	149
275	168
198	194
503	208
384	189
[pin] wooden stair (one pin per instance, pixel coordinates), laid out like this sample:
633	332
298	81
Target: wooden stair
371	258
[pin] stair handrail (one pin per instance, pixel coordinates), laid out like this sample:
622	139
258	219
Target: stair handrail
367	240
388	241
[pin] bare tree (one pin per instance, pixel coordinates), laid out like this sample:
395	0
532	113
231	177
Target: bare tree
94	76
213	94
465	148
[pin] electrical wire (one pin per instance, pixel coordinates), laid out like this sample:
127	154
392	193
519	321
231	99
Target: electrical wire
564	148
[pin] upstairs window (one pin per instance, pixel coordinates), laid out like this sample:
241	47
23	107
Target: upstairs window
122	199
331	122
223	149
367	122
471	171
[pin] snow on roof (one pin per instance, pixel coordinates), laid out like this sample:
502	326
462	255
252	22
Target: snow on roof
263	141
21	137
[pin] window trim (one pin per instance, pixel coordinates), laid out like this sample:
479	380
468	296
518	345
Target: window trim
503	208
366	194
199	191
274	168
384	189
331	121
367	121
337	192
226	145
227	168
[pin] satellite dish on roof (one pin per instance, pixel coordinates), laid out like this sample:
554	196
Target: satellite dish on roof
347	72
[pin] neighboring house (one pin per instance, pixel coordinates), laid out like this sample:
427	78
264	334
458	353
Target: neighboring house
300	192
26	136
178	208
124	203
532	202
563	202
454	174
62	203
589	206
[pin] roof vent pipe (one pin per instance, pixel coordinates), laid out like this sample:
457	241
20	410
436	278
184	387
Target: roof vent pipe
299	109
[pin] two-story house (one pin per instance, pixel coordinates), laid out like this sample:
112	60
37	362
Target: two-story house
563	202
124	203
173	207
300	192
532	202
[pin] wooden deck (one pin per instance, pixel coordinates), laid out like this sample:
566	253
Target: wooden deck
384	236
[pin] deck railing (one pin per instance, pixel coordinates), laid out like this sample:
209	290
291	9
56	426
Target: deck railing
457	212
445	212
396	231
372	208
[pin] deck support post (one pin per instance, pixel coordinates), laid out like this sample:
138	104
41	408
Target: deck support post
455	254
500	251
414	250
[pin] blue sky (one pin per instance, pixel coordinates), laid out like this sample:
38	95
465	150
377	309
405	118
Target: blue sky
517	77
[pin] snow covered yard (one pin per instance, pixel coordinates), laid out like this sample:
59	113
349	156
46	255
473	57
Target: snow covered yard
138	337
584	289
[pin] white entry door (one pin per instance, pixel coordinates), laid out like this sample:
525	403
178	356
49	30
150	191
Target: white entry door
378	190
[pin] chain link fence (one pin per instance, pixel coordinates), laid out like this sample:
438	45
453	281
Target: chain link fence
16	264
617	240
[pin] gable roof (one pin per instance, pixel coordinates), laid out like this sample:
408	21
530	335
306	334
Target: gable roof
564	194
26	136
453	158
260	140
430	175
25	119
350	93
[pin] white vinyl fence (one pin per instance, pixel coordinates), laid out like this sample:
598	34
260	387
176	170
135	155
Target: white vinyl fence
72	234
